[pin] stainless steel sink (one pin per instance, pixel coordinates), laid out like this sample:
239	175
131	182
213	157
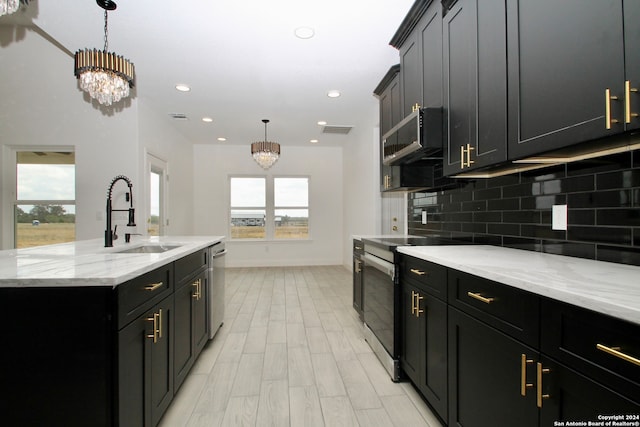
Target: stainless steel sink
148	249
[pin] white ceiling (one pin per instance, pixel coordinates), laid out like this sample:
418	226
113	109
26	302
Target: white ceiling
242	60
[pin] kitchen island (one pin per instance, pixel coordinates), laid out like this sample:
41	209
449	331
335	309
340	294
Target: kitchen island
100	336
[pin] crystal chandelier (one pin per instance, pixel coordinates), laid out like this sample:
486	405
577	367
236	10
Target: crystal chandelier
106	76
10	6
265	153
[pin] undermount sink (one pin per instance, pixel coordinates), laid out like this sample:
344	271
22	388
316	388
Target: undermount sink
148	249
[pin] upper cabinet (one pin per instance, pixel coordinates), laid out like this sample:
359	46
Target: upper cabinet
569	78
475	85
419	41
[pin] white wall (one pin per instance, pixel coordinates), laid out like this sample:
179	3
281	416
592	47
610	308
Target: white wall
42	107
362	183
214	163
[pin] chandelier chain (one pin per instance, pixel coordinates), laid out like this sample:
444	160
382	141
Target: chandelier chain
106	31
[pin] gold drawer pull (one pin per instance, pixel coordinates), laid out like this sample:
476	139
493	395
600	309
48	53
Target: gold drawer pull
608	121
627	101
479	297
418	272
541	396
152	287
419	311
523	374
615	351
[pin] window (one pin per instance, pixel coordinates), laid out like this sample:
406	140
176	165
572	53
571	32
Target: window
45	207
274	208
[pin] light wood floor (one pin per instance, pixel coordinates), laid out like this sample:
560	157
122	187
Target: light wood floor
291	353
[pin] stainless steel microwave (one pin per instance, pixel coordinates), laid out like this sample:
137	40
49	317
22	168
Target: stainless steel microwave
417	137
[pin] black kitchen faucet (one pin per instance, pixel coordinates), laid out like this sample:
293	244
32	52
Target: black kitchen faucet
110	235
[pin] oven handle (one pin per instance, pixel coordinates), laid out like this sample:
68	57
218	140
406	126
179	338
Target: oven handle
379	264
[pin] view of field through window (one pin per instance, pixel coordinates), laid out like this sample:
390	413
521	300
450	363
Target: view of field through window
286	212
45	211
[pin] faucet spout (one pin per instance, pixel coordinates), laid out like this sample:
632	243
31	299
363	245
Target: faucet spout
110	235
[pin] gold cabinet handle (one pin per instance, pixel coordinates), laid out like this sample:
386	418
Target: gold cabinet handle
615	351
198	292
419	311
413	302
357	266
156	330
160	323
469	150
627	101
462	157
476	295
524	385
540	370
607	108
153	286
418	272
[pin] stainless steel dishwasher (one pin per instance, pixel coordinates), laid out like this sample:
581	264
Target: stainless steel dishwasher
216	287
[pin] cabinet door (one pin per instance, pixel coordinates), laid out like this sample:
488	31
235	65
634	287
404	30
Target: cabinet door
145	367
390	115
191	332
430	33
563	57
475	87
571	396
357	285
410	75
632	60
485	376
424	344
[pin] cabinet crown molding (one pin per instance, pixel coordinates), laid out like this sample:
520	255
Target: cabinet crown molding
409	22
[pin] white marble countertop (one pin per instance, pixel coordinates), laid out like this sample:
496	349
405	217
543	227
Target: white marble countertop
89	263
605	287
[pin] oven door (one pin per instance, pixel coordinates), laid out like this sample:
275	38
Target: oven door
379	301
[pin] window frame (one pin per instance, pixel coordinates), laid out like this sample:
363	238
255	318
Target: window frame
14	202
269	208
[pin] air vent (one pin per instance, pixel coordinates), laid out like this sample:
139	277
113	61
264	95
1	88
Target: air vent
178	116
342	130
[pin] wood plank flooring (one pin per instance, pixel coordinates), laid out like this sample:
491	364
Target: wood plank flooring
291	353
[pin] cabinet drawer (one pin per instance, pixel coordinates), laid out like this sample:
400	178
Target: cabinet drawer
137	295
602	347
358	247
511	310
186	266
430	277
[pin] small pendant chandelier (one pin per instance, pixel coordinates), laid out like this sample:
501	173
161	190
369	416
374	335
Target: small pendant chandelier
106	76
265	153
8	7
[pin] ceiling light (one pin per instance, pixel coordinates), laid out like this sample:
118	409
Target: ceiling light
183	88
10	6
106	76
333	93
304	32
322	123
265	153
207	119
222	139
314	141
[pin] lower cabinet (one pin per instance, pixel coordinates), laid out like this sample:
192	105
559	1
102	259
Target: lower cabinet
191	331
145	366
486	376
424	345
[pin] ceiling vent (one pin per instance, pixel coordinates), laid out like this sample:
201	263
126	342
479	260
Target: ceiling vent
178	116
341	130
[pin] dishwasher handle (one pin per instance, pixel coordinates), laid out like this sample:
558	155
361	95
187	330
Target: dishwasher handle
381	265
219	254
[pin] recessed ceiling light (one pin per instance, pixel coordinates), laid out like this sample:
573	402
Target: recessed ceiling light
221	139
314	141
183	88
304	32
333	93
207	119
322	123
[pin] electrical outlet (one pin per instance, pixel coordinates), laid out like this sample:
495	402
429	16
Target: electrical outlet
424	217
559	217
